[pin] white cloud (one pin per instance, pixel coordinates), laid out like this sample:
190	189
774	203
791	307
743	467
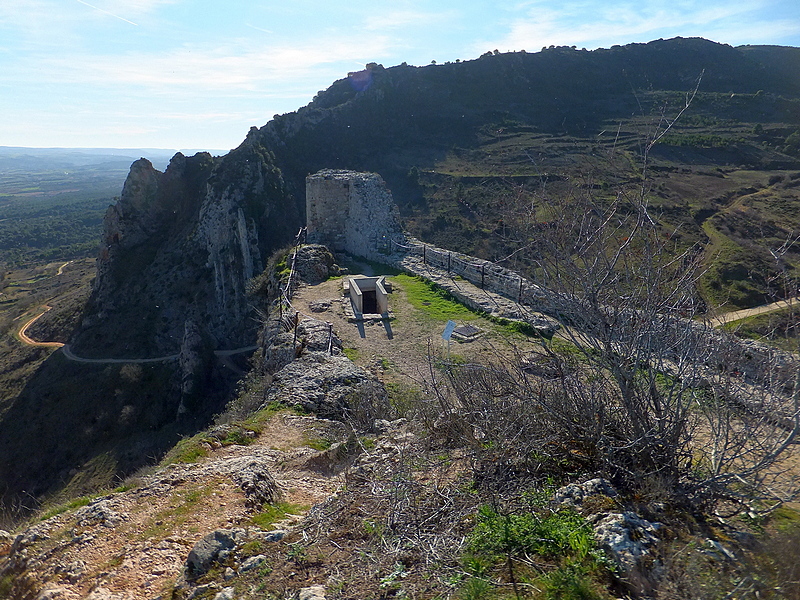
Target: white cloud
396	19
602	25
230	68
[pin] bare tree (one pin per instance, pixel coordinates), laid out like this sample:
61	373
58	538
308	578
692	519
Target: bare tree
638	387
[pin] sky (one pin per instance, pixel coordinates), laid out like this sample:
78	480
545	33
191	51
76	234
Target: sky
197	74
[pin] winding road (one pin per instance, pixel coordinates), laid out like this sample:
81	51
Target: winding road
69	355
23	332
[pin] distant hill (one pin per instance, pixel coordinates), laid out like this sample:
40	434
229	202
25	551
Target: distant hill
457	143
52	200
41	159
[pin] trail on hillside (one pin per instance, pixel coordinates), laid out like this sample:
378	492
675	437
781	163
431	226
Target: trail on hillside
70	355
61	268
25	339
134	544
736	315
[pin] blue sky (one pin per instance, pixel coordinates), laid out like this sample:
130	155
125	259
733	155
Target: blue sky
198	73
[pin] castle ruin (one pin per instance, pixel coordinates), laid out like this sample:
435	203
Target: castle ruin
352	212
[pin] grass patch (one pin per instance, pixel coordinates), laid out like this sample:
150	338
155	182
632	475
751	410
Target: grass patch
317	443
272	513
500	547
431	300
188	450
184	506
562	533
67	506
351	353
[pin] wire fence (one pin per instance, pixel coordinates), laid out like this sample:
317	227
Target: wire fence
288	316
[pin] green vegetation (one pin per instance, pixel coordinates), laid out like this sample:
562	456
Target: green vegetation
71	505
272	513
562	533
35	231
433	301
779	328
351	353
188	450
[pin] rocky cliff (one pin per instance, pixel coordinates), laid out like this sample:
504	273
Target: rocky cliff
179	247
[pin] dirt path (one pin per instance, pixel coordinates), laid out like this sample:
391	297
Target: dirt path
23	336
69	355
61	268
736	315
136	545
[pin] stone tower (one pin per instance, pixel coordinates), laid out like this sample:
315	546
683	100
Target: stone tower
352	212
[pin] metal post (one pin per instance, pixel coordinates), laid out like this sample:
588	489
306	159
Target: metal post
330	338
296	319
519	298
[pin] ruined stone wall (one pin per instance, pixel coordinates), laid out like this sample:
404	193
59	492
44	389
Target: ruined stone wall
327	207
482	273
352	212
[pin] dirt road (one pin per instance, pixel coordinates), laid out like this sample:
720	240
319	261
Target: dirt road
23	336
736	315
69	355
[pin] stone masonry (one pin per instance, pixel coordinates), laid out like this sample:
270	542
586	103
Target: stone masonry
352	212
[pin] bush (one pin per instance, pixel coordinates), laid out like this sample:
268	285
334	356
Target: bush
561	533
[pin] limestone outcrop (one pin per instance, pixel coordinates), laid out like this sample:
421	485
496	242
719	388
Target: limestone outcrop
181	245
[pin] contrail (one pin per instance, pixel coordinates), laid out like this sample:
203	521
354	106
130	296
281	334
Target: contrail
108	13
259	28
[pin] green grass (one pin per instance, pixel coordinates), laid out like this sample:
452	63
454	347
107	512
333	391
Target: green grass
188	450
272	513
67	506
555	534
501	546
431	300
351	353
317	443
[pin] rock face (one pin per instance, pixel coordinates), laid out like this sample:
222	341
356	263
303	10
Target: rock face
215	547
180	246
315	264
331	387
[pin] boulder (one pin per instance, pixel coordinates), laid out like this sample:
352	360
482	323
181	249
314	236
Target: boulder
314	592
251	475
227	593
574	494
252	562
315	264
214	547
631	542
332	387
99	512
